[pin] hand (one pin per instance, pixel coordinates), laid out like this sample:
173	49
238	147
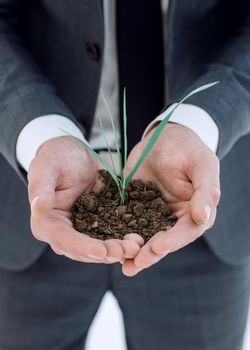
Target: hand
60	172
187	173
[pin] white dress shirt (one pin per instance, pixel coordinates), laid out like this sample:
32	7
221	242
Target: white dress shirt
47	127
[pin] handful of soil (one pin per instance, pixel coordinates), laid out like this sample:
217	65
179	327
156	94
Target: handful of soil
100	215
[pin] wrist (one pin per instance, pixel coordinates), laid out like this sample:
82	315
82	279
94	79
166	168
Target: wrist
40	130
53	142
65	149
170	125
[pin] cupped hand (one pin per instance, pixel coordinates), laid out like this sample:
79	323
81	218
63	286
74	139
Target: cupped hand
187	173
60	172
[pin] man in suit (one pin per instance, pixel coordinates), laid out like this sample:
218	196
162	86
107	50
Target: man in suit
50	67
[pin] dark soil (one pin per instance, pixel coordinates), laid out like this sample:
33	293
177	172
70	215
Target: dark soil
100	215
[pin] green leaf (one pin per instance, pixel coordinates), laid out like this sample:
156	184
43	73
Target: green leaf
114	130
199	89
107	145
125	135
154	137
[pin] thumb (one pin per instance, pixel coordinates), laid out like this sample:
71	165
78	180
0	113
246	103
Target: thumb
206	184
42	180
42	204
200	207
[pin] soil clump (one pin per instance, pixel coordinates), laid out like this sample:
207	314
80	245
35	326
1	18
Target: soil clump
100	215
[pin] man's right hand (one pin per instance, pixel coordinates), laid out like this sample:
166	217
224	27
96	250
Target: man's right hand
60	172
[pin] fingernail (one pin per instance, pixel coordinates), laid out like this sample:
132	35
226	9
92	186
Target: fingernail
208	211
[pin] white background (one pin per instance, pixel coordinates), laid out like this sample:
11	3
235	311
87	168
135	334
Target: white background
108	325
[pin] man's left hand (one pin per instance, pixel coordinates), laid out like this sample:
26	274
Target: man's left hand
187	173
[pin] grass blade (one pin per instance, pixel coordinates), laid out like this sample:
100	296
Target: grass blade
199	89
154	137
114	130
125	136
107	145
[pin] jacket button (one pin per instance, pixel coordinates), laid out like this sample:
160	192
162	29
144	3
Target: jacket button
93	49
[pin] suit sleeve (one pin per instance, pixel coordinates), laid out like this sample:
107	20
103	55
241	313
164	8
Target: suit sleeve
229	101
24	92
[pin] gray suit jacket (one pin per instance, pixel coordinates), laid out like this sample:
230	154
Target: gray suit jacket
50	62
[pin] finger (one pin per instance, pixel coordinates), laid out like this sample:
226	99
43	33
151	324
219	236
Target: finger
144	260
119	250
129	269
184	232
205	179
132	267
147	257
114	250
74	243
42	180
201	206
135	237
85	259
130	248
132	242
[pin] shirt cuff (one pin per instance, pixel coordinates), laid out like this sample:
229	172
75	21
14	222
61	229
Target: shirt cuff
194	118
38	131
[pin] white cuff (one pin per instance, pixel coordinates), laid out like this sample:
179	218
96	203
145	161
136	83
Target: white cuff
194	118
40	130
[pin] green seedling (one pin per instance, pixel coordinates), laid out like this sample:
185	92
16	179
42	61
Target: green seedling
122	179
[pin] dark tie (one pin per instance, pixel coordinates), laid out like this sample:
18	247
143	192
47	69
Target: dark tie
140	59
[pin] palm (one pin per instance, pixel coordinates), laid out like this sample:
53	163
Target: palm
73	181
78	174
168	170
